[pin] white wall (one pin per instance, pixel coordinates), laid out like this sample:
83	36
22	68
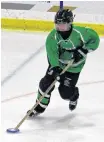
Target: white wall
86	12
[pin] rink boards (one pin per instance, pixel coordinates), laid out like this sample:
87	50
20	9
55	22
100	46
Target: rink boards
41	25
33	20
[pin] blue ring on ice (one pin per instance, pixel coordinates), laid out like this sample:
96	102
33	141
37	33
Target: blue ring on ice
12	130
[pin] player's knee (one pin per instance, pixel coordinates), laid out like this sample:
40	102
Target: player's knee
44	84
68	93
65	92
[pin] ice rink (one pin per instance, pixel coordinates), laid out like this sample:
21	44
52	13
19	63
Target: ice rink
23	64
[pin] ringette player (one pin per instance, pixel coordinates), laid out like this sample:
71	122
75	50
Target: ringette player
65	42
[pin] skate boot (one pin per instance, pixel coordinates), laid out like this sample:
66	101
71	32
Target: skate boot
33	113
38	110
72	105
74	100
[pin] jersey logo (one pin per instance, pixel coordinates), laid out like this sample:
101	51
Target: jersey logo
67	81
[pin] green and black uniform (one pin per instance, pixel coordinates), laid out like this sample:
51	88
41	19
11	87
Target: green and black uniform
59	52
58	49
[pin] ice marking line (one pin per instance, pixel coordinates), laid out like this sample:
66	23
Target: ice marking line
91	83
8	77
31	93
20	96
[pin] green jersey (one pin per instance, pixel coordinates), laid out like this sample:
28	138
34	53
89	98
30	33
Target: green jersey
58	49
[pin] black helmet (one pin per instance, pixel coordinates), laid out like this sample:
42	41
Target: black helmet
64	16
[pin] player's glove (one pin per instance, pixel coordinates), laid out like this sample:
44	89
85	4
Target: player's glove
79	53
55	72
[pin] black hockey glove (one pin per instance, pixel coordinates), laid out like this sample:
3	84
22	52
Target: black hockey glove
79	53
55	72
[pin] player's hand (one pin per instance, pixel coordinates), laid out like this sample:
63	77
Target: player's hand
79	54
55	72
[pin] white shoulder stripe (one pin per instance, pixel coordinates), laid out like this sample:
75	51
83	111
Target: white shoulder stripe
80	35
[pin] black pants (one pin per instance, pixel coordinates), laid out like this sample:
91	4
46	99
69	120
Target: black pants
67	88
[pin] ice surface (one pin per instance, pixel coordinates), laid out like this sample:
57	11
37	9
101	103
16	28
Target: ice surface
57	124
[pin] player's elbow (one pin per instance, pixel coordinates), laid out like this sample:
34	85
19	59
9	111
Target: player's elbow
96	45
93	45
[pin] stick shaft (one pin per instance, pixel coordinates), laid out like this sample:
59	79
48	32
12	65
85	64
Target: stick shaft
49	88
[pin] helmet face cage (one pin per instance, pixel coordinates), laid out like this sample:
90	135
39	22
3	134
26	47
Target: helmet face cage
63	20
63	26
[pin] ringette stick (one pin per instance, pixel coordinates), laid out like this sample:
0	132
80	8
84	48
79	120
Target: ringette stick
16	129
